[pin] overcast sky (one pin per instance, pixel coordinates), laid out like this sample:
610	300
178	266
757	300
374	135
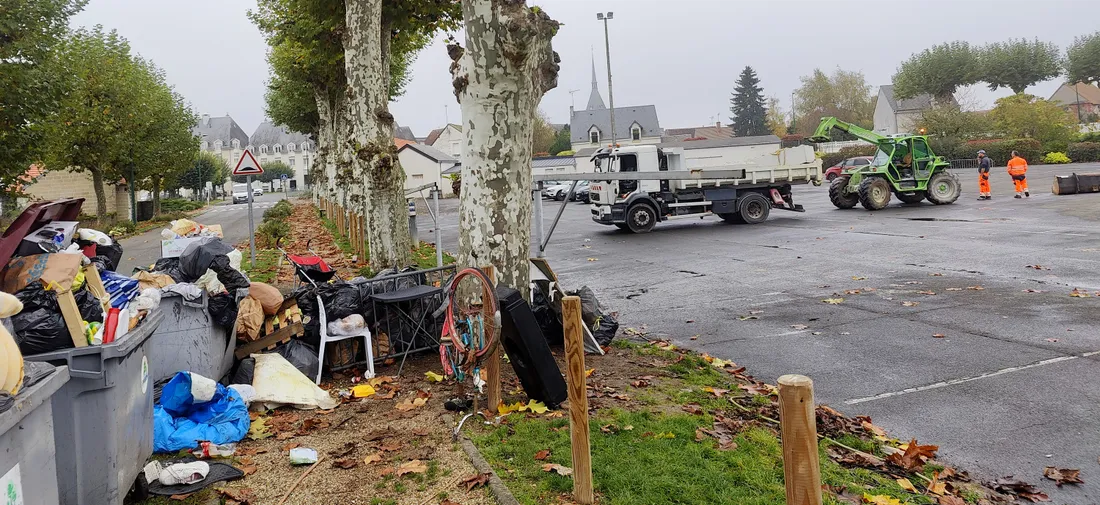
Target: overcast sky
681	55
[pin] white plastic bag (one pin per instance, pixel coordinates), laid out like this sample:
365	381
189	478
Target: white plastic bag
351	325
278	382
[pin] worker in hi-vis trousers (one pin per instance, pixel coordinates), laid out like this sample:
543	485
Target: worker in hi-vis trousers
984	164
1017	168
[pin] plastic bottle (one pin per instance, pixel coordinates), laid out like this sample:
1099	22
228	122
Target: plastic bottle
209	450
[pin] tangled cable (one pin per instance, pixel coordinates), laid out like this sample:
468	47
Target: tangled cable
469	333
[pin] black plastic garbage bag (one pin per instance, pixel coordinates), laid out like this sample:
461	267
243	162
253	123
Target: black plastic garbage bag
223	310
341	300
245	371
549	320
90	309
197	257
170	267
40	327
302	355
102	263
112	253
596	317
230	277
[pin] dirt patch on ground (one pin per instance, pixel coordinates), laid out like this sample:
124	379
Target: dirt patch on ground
307	232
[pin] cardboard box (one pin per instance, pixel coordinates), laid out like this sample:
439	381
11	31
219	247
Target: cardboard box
55	271
33	244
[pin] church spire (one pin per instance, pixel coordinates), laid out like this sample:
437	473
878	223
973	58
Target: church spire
595	101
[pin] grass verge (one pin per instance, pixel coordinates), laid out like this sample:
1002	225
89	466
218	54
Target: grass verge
423	255
266	268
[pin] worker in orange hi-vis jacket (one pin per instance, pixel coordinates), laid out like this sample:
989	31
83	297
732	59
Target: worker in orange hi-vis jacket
1017	168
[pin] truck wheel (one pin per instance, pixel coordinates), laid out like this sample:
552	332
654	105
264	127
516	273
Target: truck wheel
732	218
641	218
830	177
911	197
839	195
943	188
754	208
874	193
622	226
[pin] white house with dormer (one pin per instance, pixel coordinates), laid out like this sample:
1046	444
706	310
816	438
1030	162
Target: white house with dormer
591	127
271	143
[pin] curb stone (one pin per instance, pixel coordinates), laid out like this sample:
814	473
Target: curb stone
501	492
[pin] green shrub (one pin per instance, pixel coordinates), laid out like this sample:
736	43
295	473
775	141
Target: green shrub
1055	146
1000	151
1055	158
830	159
272	230
1084	151
279	212
951	148
179	205
1089	137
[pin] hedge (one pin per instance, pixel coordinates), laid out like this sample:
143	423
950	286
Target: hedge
1000	151
830	159
1084	151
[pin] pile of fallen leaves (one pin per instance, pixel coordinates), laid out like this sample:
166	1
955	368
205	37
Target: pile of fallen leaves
306	228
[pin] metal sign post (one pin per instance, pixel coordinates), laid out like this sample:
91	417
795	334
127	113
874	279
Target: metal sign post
251	227
248	166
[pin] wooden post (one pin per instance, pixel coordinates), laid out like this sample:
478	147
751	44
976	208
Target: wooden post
70	312
798	428
578	399
492	363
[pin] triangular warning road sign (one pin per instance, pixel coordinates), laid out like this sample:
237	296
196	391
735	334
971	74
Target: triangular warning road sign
248	165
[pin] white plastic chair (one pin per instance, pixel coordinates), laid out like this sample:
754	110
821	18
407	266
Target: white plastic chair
326	338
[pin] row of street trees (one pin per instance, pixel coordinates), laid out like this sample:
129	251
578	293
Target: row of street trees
1014	64
336	64
80	100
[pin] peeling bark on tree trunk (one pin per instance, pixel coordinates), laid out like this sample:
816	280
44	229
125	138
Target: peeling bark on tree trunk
156	194
366	61
499	79
100	195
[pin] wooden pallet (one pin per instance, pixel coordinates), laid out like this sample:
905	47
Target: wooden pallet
277	329
70	312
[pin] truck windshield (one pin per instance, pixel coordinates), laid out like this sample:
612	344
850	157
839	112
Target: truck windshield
882	157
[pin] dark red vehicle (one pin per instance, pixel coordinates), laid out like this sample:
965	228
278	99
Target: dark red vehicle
839	168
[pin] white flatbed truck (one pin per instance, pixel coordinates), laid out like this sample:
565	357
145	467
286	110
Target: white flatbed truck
651	184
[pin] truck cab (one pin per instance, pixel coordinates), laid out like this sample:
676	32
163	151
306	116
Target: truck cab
643	158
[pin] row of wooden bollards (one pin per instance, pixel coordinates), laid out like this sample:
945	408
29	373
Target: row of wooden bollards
798	424
350	224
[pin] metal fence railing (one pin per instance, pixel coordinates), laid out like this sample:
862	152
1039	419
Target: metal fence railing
965	163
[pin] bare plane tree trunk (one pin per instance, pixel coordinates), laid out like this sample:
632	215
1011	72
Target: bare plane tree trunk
100	195
366	60
499	79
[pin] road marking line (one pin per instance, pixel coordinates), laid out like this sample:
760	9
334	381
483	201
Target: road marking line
962	380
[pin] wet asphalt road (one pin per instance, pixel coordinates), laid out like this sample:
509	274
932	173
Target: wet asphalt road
1012	387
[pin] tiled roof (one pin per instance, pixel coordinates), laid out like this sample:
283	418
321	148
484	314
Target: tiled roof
625	117
428	152
401	142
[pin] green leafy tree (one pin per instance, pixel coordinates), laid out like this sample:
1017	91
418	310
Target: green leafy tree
1017	64
163	144
29	89
543	135
954	123
1026	116
1083	59
844	94
747	106
273	171
205	167
938	71
91	131
561	142
776	119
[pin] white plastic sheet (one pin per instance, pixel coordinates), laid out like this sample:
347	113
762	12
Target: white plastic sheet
277	382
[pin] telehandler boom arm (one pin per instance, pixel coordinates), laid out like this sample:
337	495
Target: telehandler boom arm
828	123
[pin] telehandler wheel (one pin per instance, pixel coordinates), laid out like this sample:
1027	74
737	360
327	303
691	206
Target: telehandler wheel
874	193
839	196
732	218
910	197
754	208
640	218
943	188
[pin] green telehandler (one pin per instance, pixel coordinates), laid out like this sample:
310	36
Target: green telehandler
903	165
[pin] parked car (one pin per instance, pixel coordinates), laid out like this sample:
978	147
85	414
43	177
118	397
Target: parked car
257	191
546	188
581	193
558	191
834	171
240	193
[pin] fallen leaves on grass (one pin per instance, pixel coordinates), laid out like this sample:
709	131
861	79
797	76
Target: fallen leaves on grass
558	469
833	301
391	446
310	425
373	458
378	381
951	500
1063	475
237	495
692	408
259	429
414	466
907	485
475	480
346	464
640	383
761	389
290	446
542	455
717	392
880	499
433	377
874	430
249	469
179	497
663	435
410	404
912	460
343	450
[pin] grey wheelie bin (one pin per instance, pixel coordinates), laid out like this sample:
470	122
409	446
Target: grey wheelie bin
188	340
103	417
28	474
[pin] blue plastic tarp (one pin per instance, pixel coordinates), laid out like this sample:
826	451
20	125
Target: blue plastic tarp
181	422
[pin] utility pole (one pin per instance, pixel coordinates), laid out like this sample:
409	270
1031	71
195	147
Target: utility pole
607	47
1078	93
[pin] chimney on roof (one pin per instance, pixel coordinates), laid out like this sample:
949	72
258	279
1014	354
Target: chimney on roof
206	120
571	112
717	124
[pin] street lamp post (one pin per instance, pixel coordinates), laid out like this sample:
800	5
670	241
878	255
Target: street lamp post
607	48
